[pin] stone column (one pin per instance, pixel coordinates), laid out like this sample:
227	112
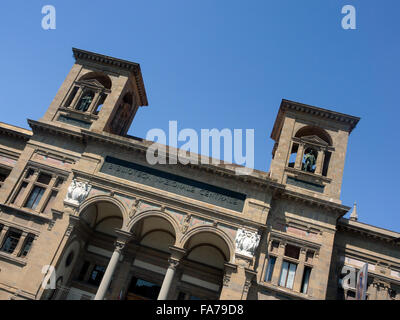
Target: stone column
112	265
94	102
77	96
176	255
299	157
299	271
166	285
278	264
320	162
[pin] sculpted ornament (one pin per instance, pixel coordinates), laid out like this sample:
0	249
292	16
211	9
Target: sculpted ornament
77	192
246	242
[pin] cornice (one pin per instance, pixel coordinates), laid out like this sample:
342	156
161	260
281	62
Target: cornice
369	231
15	132
141	145
287	105
38	126
129	66
339	209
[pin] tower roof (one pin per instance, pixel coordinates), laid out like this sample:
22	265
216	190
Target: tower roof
133	67
287	105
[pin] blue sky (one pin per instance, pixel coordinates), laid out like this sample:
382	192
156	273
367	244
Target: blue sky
228	64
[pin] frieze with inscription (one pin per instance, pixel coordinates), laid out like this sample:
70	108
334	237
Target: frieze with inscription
173	183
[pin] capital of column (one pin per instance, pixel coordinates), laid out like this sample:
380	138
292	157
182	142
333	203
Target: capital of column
173	263
177	253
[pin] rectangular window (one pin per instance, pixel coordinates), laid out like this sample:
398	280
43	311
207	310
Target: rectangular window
27	246
292	251
96	275
11	241
4	173
306	279
44	178
270	268
287	274
34	197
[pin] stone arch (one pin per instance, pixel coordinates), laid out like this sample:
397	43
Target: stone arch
313	130
99	199
154	213
227	246
102	78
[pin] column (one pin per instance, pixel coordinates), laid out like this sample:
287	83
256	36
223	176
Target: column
299	271
176	255
166	285
299	158
320	162
112	265
77	96
278	264
94	102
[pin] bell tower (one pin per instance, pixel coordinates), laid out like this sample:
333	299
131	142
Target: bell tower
100	93
310	149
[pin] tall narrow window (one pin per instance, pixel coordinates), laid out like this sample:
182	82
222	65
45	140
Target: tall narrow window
27	246
4	173
293	155
11	241
96	275
306	279
85	101
270	268
287	274
71	97
100	104
34	197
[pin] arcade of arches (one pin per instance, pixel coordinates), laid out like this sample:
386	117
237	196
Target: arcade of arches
152	259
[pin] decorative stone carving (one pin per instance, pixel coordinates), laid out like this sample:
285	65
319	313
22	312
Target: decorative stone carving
246	242
77	192
186	223
119	245
173	263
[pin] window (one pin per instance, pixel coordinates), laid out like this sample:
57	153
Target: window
96	275
287	274
85	102
71	97
27	246
292	251
11	241
34	197
306	279
69	259
99	104
38	191
270	268
293	155
140	289
4	173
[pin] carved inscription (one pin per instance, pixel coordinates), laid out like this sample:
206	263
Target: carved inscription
174	183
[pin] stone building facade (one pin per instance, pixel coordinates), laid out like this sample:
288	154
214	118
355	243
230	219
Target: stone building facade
84	216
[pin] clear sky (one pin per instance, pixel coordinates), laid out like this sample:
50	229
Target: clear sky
227	64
